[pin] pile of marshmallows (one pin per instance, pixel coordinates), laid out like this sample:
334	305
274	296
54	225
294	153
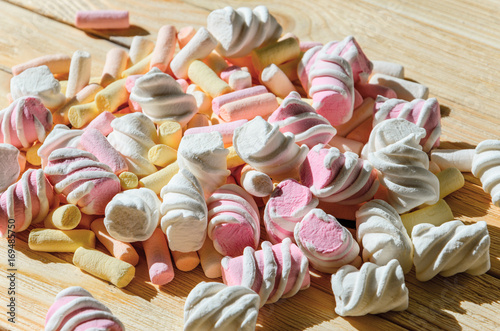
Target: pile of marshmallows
240	125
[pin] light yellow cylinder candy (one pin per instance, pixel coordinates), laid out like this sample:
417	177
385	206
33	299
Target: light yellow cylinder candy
215	62
32	156
210	259
86	95
450	180
114	95
233	159
65	217
52	240
170	134
157	180
207	79
140	68
277	53
162	155
103	266
128	180
81	115
435	214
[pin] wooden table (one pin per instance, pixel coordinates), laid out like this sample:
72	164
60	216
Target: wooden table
452	46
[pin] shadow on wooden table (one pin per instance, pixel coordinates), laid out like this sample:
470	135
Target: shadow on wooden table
133	30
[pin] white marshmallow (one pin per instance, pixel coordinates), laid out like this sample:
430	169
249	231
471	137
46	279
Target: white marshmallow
486	167
404	89
61	136
388	68
453	158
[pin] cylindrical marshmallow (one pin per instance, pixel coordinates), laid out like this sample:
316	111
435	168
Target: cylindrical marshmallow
405	89
79	73
116	63
65	217
276	81
207	79
210	259
95	142
185	261
58	64
164	49
277	53
113	96
435	214
162	155
52	240
85	96
450	180
453	158
161	270
102	19
140	48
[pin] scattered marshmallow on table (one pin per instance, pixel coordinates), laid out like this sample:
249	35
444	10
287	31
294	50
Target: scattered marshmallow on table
456	158
405	89
79	73
58	64
55	240
93	141
435	214
102	19
164	48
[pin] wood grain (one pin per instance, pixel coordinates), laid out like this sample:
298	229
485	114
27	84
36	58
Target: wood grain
451	46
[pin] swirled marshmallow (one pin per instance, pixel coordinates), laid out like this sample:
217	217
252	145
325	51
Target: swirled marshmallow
234	221
61	136
184	212
218	307
242	30
76	309
132	215
24	121
486	167
162	99
450	249
9	166
372	289
264	147
274	272
382	235
325	242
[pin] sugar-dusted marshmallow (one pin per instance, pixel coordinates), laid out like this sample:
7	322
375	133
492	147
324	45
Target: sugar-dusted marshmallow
486	166
9	166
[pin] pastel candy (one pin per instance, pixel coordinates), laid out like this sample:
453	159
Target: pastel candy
24	121
298	117
61	136
325	242
93	141
225	129
140	47
242	30
162	99
58	64
79	73
39	82
288	204
75	308
9	166
405	89
27	201
424	113
215	306
164	48
161	269
454	158
132	215
102	19
234	221
184	212
382	235
450	249
264	147
82	179
254	182
350	50
55	240
388	68
486	166
338	177
372	289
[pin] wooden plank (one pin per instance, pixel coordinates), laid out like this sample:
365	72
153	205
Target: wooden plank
4	88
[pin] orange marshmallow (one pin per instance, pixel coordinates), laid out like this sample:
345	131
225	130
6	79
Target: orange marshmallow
362	132
210	259
185	261
359	115
58	64
116	63
198	120
184	35
164	49
161	270
346	145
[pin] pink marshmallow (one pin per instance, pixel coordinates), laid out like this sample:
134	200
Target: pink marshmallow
102	123
82	179
183	83
226	73
225	129
93	141
349	49
27	201
274	272
161	269
358	99
234	221
130	82
220	101
102	19
289	203
374	90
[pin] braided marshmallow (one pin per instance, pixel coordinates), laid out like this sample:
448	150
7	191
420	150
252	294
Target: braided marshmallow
264	147
61	136
84	180
24	121
242	30
133	215
218	307
9	166
234	221
486	167
372	289
27	201
450	249
204	155
325	242
424	113
133	135
274	272
335	177
350	50
287	206
394	150
298	117
76	309
184	212
162	98
382	235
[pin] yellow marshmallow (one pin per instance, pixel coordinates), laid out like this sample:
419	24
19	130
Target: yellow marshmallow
32	156
140	68
170	134
128	180
103	266
65	217
210	259
277	53
157	180
435	214
81	115
51	240
450	180
233	159
86	95
162	155
215	62
114	95
207	79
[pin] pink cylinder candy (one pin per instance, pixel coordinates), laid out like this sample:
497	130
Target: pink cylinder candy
27	201
234	221
424	113
288	204
130	82
95	142
374	90
220	101
24	121
274	272
225	129
298	117
226	73
102	19
164	48
76	309
183	83
82	179
102	123
335	177
325	242
161	269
